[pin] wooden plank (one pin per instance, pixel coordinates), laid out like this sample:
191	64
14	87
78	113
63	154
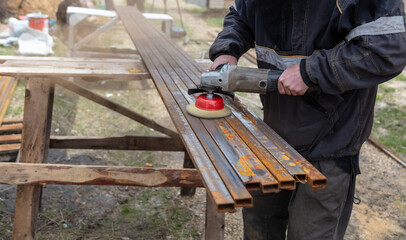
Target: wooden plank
11	128
9	148
213	183
41	60
4	85
214	222
128	67
62	174
6	94
118	143
91	11
123	71
34	149
12	121
15	138
116	107
187	163
113	50
101	54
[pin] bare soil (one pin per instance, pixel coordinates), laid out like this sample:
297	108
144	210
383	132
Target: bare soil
104	212
23	7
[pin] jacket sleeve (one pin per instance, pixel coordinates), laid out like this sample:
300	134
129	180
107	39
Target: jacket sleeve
374	50
236	37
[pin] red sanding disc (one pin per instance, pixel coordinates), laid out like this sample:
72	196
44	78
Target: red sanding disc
210	102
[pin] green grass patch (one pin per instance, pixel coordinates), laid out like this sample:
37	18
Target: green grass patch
7	50
385	93
16	107
401	77
59	48
389	128
166	218
215	21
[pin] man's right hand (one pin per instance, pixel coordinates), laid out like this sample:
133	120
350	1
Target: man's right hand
223	59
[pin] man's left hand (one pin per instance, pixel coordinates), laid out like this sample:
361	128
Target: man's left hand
291	82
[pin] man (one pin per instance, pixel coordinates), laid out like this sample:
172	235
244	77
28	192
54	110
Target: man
334	54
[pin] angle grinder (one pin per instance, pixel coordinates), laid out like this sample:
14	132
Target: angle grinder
226	80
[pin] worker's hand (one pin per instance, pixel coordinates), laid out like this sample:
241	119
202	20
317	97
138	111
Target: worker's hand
223	59
291	82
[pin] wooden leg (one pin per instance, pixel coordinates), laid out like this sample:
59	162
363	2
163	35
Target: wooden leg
34	149
187	163
214	221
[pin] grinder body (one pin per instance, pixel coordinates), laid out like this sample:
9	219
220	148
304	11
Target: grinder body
231	78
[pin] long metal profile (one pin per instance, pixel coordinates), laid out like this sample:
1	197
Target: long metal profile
237	153
152	57
244	162
315	179
177	86
211	179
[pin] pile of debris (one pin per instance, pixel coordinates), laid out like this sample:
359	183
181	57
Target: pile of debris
15	8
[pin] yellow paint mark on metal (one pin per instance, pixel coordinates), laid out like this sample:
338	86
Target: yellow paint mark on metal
229	135
285	157
243	167
133	70
292	164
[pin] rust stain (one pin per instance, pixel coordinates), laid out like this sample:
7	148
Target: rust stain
229	135
243	167
218	196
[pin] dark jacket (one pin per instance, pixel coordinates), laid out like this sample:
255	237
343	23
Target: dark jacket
345	49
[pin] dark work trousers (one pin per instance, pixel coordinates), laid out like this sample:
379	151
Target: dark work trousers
306	214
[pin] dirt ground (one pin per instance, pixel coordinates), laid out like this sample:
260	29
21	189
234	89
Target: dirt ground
22	7
104	212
